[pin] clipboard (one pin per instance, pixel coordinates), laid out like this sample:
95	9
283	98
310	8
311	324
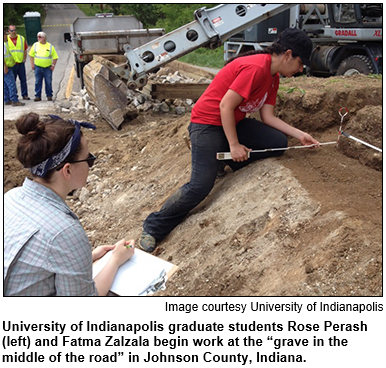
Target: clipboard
143	274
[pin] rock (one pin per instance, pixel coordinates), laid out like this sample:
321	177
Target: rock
137	102
65	104
84	195
180	110
164	107
145	107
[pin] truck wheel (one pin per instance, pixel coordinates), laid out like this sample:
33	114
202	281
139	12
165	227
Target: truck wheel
77	68
81	76
356	64
79	72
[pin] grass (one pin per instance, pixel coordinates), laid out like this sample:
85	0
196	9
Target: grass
205	57
283	89
333	80
375	76
291	89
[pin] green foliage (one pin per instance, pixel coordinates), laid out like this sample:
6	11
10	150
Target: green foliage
173	16
291	89
152	15
14	12
148	14
375	76
205	57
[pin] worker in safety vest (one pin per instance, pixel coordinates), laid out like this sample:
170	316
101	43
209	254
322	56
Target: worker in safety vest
43	58
18	47
10	90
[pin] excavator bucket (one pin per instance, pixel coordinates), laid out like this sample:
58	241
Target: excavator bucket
107	91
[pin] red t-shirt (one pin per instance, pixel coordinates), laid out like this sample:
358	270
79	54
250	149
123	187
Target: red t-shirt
250	77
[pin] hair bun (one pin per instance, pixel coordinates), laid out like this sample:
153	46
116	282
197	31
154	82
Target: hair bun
30	124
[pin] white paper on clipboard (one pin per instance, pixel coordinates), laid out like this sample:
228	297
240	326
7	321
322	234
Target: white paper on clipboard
137	274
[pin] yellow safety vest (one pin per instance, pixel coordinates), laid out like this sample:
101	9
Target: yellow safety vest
8	58
17	50
43	54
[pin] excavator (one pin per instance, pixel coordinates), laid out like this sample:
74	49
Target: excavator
108	77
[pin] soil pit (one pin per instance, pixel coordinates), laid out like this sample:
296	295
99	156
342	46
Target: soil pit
308	223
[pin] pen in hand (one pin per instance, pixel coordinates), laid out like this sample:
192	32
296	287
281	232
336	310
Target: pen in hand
128	245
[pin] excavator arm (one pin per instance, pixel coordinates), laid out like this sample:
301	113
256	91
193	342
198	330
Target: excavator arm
210	28
107	79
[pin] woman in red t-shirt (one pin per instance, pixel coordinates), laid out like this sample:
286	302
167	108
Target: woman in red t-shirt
218	123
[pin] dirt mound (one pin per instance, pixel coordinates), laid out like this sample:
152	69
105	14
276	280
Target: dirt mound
307	223
314	104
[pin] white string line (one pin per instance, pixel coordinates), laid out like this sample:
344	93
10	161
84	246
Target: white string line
228	156
341	132
360	141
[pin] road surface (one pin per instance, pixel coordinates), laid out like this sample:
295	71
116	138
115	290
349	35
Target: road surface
57	22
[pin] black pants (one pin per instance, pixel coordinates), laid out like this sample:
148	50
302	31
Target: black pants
206	141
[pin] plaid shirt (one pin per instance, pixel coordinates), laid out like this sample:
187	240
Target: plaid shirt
46	251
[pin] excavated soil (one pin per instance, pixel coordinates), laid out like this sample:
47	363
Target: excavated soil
308	223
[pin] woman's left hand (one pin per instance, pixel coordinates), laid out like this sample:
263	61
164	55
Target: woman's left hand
99	252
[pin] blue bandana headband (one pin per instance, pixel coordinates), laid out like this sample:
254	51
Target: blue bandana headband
55	160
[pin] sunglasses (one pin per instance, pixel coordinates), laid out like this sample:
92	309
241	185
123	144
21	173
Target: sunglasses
90	161
12	30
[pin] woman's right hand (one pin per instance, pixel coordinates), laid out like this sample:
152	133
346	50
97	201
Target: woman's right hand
239	152
306	140
123	251
120	255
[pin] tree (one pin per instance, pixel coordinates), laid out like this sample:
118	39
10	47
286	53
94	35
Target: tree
168	16
13	14
148	14
116	8
177	15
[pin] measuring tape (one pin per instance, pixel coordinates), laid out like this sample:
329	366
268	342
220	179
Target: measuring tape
343	111
341	132
228	155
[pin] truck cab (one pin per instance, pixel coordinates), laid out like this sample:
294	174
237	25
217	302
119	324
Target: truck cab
347	38
105	34
357	28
